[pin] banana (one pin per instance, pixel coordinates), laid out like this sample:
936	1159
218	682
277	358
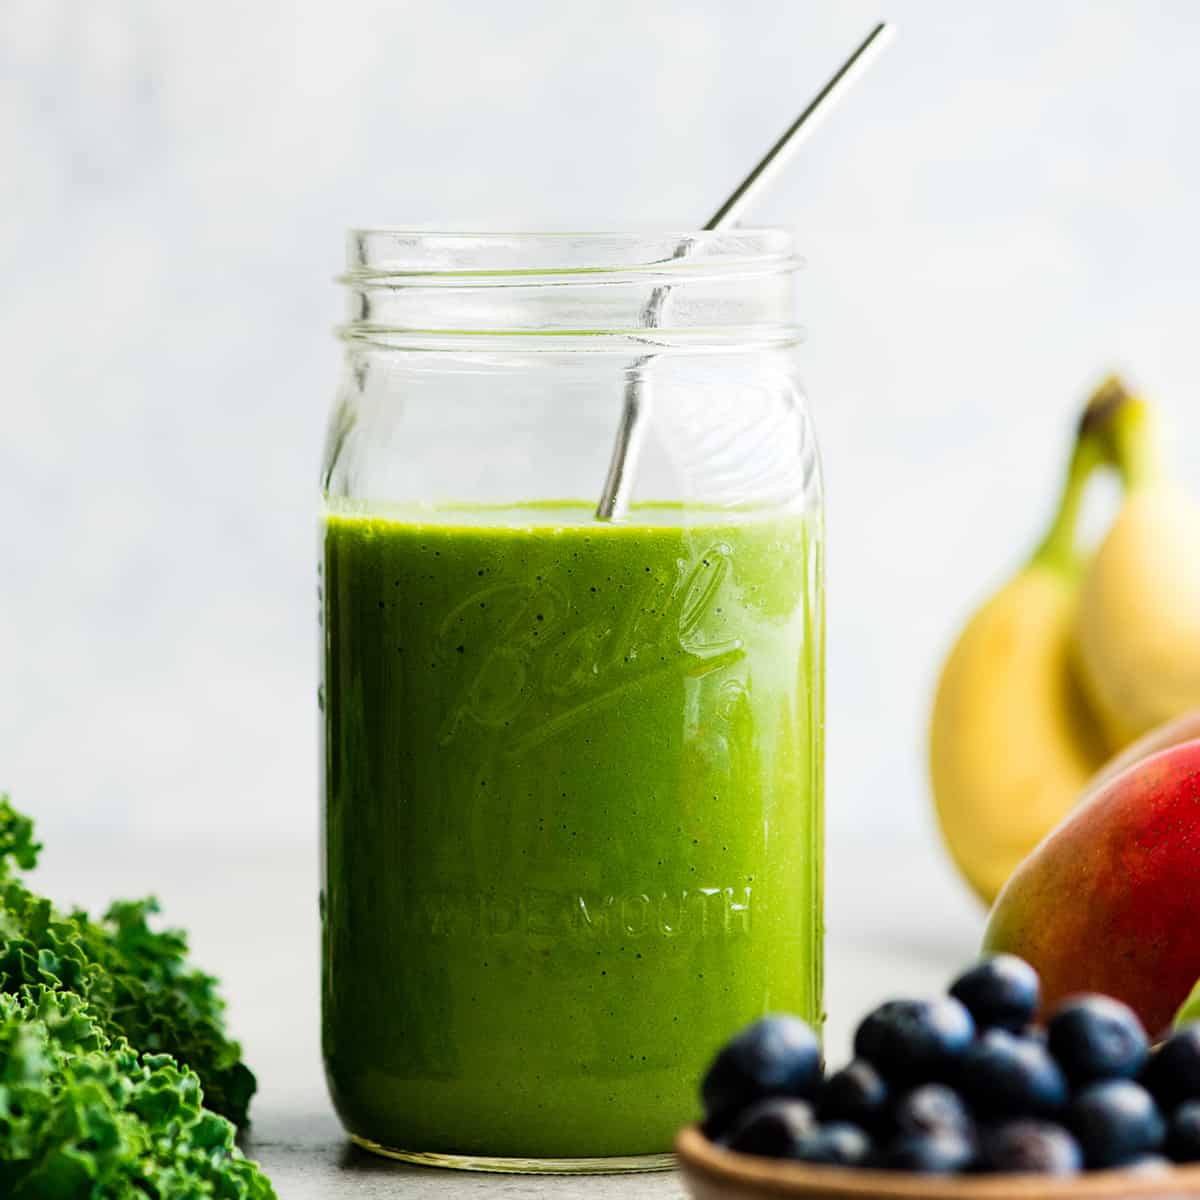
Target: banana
1012	742
1137	625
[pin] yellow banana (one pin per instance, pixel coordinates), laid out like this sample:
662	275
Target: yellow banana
1012	742
1137	629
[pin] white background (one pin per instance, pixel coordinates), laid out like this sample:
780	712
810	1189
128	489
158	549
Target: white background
1004	209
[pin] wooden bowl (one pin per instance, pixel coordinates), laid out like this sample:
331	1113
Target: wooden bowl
715	1174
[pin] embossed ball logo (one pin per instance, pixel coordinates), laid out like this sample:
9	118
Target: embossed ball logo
547	666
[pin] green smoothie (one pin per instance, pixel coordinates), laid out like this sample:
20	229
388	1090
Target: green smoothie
572	817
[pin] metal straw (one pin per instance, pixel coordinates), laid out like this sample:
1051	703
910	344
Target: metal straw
614	500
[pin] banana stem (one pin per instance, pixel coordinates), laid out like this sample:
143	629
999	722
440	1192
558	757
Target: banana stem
1130	430
1117	430
1134	445
1059	548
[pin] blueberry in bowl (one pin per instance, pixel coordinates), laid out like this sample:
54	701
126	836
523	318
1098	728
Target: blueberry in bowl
1097	1037
1029	1146
857	1094
837	1143
915	1041
940	1153
1115	1121
1000	992
932	1108
1183	1133
775	1127
1172	1073
1006	1075
958	1097
775	1056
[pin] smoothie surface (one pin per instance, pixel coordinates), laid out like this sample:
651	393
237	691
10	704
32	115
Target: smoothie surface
572	822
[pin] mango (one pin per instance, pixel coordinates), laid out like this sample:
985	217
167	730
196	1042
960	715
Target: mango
1110	901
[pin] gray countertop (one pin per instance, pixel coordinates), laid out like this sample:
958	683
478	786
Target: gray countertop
898	923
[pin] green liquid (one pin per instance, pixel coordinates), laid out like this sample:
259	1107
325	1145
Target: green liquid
572	818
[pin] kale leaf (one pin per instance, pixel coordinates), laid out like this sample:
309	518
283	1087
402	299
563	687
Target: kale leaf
83	1117
137	981
116	1074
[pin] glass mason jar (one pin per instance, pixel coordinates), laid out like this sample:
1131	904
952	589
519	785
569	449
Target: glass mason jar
572	833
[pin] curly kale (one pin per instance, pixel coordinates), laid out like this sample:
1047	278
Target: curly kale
83	1117
110	1044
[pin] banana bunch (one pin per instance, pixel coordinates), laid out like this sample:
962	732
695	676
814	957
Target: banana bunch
1138	634
1075	657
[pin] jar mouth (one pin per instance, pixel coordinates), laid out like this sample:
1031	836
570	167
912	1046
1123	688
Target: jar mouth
410	287
390	255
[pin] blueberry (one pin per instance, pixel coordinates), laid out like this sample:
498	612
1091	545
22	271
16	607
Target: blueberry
1147	1164
857	1093
1115	1120
1097	1037
1001	992
1004	1075
1183	1132
838	1144
929	1153
1025	1146
932	1108
775	1128
717	1127
915	1041
776	1056
1172	1074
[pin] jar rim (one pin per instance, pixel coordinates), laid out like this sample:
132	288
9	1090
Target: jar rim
400	252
